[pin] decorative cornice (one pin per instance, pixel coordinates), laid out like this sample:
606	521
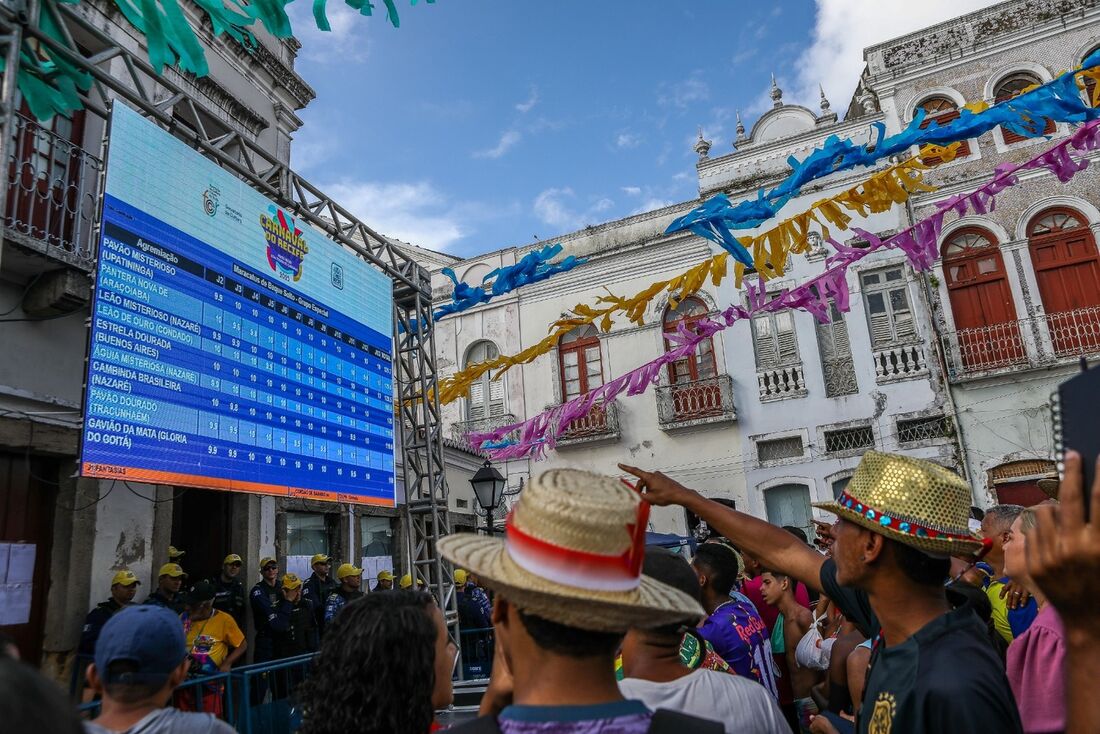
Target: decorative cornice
211	90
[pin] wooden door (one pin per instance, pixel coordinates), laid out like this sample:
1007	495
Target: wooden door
28	493
981	301
1067	269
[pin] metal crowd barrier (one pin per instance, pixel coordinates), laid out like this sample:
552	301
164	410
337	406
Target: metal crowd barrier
254	699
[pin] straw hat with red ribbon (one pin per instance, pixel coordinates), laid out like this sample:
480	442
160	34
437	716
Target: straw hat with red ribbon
572	553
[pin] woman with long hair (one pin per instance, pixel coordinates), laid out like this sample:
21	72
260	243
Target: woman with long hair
385	667
1035	659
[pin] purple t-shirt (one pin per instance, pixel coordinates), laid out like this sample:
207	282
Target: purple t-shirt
739	636
1035	665
621	717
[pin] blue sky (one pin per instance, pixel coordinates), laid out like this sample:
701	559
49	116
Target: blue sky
482	124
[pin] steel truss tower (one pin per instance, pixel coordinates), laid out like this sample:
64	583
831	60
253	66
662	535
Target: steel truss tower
120	73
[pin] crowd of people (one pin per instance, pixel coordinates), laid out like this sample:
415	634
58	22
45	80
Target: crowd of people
911	612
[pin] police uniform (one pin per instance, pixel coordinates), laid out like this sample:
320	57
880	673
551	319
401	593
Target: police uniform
318	592
94	622
294	627
264	599
229	595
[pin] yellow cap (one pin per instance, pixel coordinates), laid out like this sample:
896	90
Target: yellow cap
290	581
347	569
173	570
267	561
319	558
125	577
385	575
407	581
231	558
460	577
174	554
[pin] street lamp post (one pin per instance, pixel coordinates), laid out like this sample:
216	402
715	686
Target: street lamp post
488	486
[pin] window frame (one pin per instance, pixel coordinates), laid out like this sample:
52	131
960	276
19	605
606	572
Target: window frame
581	345
486	384
941	117
886	288
1007	136
701	353
795	358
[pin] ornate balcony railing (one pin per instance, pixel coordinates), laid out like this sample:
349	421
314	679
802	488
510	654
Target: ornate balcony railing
460	429
781	382
53	193
684	404
601	424
1035	341
899	362
840	376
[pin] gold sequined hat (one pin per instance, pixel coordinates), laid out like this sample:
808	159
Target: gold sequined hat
911	501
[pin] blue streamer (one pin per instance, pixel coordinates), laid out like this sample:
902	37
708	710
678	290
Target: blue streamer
533	267
716	218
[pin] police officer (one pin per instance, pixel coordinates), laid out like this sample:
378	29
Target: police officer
385	580
294	627
319	586
229	591
167	593
176	555
123	589
264	597
351	578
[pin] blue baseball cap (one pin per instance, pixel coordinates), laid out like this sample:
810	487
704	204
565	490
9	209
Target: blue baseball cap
149	636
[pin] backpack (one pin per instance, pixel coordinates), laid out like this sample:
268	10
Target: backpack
663	722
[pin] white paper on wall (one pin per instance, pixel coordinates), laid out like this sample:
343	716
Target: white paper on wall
372	565
299	566
15	603
21	563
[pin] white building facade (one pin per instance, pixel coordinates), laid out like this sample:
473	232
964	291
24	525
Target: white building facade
783	406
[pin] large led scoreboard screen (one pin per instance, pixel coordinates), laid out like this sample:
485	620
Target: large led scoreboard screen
231	347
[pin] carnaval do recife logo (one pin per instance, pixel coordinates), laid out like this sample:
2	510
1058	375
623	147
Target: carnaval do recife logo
286	248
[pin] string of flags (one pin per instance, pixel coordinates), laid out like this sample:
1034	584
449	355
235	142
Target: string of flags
920	243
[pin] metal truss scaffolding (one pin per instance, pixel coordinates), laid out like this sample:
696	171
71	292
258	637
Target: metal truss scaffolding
121	73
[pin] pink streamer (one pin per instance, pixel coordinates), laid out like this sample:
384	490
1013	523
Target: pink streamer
919	243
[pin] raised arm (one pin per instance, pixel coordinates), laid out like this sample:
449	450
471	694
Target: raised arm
773	547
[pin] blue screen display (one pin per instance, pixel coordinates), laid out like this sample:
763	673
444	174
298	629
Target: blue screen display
231	346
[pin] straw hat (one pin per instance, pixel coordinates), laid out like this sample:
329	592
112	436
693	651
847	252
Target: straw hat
911	501
573	554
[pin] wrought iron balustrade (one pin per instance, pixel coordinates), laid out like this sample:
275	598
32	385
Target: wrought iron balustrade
601	423
460	429
709	400
53	193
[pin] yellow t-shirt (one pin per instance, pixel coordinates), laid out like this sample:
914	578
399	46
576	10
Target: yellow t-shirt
213	637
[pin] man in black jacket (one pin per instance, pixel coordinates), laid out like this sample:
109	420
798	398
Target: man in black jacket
319	585
264	597
229	591
294	632
167	593
123	589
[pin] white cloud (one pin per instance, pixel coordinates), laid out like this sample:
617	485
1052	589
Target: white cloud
843	28
683	93
627	140
743	55
652	204
632	190
508	140
346	42
556	207
529	104
415	212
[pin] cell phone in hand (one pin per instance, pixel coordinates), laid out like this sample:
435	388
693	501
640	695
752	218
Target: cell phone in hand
1076	413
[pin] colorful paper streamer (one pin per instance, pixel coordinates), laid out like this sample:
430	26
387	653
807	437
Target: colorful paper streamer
877	194
920	243
1059	100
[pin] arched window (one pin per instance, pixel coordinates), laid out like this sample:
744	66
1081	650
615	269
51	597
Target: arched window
701	365
1067	269
580	362
486	396
941	111
1008	88
981	301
